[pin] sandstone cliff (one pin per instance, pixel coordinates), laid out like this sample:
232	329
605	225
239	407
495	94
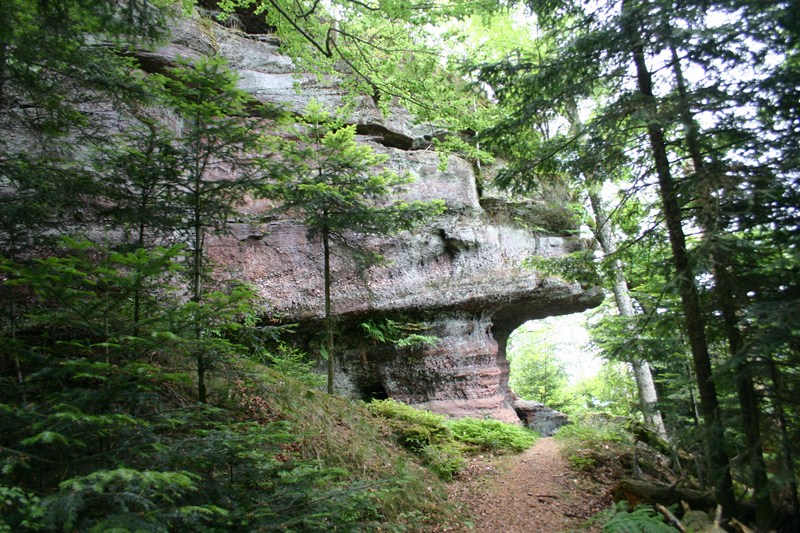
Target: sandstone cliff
461	275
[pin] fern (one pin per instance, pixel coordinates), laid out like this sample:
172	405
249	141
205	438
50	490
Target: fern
642	519
400	334
492	434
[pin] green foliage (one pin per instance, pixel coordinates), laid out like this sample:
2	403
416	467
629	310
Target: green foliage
98	427
643	519
424	433
594	429
492	435
293	363
580	266
125	496
93	440
536	372
341	185
594	440
389	51
20	508
215	135
394	409
445	459
418	427
341	188
141	175
400	334
442	444
611	391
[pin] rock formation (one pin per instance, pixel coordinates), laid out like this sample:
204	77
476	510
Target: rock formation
461	275
539	417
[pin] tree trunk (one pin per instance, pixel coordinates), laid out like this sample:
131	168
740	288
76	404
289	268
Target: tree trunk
695	329
648	398
725	290
12	322
645	491
197	272
326	254
786	445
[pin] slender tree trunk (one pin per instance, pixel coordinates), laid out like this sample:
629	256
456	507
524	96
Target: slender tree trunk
197	272
709	404
725	289
12	318
648	398
3	59
137	293
6	16
326	255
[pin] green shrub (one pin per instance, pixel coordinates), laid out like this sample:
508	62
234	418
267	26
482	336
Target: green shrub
414	437
442	444
413	428
592	441
424	433
593	430
445	460
291	362
643	519
492	435
395	410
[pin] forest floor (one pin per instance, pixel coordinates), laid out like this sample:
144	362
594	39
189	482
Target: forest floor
533	492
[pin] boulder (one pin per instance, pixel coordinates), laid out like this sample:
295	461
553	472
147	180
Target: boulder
539	417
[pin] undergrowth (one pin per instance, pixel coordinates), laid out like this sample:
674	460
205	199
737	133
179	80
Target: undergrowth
101	428
642	519
593	441
492	435
442	444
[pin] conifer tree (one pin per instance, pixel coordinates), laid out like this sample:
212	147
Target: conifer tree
215	166
633	53
341	190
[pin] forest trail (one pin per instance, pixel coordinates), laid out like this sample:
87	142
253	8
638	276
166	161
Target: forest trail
533	492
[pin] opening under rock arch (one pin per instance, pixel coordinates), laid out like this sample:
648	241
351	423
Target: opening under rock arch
373	391
546	359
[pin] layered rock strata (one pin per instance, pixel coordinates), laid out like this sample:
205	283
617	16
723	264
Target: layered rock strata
461	275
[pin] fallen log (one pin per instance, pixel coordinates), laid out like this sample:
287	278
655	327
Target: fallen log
636	491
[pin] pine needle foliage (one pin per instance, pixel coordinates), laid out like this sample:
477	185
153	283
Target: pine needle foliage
99	430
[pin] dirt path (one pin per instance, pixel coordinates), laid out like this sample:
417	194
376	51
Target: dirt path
534	492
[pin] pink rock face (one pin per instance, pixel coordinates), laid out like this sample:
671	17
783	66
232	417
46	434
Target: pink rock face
461	275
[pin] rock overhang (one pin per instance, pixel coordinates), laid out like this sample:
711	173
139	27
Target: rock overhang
462	274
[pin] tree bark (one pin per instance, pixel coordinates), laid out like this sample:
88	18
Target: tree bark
695	328
645	491
786	446
725	289
648	398
197	273
326	254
